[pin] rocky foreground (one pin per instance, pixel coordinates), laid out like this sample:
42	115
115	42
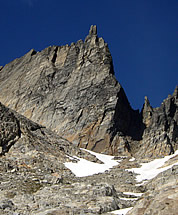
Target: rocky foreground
62	99
35	181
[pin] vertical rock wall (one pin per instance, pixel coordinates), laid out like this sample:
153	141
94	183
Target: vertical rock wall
72	90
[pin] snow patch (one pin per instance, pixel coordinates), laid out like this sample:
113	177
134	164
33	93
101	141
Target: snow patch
129	199
121	211
132	159
150	170
133	194
86	168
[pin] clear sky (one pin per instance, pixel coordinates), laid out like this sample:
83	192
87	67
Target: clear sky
142	36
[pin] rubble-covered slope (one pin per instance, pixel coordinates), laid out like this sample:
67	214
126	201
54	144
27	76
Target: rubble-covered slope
33	177
35	180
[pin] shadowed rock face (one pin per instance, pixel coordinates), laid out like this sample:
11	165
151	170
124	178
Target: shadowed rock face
9	129
72	90
16	131
160	135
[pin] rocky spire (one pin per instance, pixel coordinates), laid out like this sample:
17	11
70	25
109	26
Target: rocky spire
93	30
147	112
175	94
92	36
147	103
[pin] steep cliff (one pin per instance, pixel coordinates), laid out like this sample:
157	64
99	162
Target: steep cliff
160	136
72	90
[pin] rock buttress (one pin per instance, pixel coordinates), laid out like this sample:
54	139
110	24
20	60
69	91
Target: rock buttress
160	136
72	90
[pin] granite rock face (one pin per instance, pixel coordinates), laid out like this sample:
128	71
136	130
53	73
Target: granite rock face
72	90
9	128
160	136
18	132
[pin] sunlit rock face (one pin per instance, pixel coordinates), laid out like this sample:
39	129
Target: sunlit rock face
72	90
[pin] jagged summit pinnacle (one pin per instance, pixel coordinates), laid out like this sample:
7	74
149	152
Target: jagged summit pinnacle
93	30
175	94
147	106
147	102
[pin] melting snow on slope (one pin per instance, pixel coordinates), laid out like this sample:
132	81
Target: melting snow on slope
134	194
122	211
85	168
150	170
128	199
132	159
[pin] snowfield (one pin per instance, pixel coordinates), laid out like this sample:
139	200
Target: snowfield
147	171
122	211
134	194
85	168
132	159
150	170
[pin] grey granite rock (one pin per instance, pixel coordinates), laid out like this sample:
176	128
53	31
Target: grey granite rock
21	134
9	129
160	135
34	179
73	91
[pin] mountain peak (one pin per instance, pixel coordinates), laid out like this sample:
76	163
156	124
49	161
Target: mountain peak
72	90
93	30
175	94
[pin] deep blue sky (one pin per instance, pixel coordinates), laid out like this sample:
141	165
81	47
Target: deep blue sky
142	37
